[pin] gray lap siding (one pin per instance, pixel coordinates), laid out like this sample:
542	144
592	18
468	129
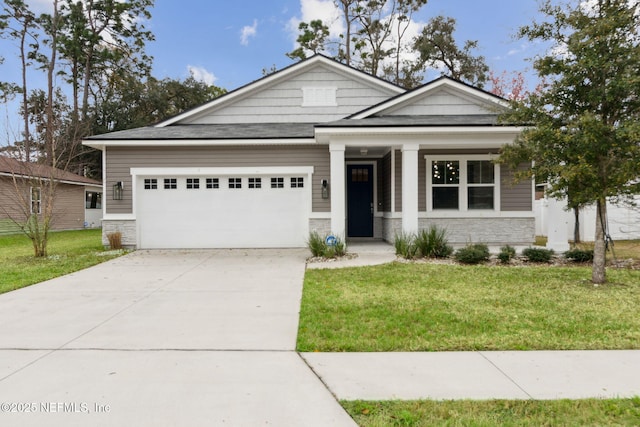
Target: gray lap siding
120	160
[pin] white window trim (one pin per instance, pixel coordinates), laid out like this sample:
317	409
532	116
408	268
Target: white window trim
39	201
462	195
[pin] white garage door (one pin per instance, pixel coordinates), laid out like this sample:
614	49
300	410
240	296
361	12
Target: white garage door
217	211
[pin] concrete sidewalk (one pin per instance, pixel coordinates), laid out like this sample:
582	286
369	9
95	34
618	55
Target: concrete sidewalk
482	375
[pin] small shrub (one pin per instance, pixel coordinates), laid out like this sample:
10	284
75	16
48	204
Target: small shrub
319	248
115	240
538	254
405	245
506	254
337	250
316	244
579	255
472	254
433	243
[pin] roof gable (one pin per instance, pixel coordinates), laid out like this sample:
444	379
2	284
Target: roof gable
280	97
441	97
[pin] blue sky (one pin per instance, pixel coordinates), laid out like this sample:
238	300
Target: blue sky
232	41
229	43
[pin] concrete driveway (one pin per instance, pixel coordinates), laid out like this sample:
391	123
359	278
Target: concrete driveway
163	338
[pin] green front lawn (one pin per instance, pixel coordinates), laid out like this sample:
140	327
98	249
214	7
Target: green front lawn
68	251
589	412
435	307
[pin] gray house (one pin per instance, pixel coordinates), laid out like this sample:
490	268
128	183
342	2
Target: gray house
317	146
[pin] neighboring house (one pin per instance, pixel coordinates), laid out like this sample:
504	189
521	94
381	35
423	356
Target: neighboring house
77	202
317	146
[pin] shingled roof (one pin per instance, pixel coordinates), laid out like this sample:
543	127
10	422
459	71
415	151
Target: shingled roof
9	166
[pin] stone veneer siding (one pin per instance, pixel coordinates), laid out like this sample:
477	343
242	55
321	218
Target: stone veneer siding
126	227
460	231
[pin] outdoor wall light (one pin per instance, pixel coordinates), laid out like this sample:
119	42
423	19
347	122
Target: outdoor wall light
325	188
117	190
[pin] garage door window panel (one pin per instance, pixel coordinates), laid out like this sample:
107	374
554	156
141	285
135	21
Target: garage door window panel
277	182
235	183
297	182
193	183
170	184
213	183
151	184
255	182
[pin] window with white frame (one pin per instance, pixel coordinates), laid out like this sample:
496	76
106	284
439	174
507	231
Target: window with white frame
277	182
235	183
255	182
193	183
213	183
462	183
297	182
36	200
170	184
151	184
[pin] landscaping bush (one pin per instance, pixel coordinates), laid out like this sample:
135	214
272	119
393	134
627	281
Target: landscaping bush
319	247
506	254
472	254
579	255
538	254
316	244
115	240
405	245
433	243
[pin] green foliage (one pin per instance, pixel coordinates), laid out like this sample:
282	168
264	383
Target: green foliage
579	255
565	412
437	48
433	243
405	245
319	247
537	254
506	254
68	251
472	254
585	127
316	244
443	307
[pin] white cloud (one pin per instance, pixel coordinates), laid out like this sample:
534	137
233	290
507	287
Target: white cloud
247	32
202	75
310	10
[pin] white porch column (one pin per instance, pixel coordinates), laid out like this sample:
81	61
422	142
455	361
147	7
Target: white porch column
410	188
337	187
557	233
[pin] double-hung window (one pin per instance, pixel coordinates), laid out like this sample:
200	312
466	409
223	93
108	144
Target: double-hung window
462	183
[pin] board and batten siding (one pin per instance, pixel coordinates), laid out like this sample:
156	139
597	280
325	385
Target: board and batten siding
515	196
119	162
282	102
441	102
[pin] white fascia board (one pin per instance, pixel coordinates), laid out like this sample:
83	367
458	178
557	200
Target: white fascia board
59	181
429	87
324	135
195	142
475	214
228	171
279	75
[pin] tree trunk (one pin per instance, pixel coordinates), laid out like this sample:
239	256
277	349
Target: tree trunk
598	274
576	227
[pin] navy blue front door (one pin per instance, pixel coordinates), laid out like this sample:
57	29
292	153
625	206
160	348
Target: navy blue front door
360	200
